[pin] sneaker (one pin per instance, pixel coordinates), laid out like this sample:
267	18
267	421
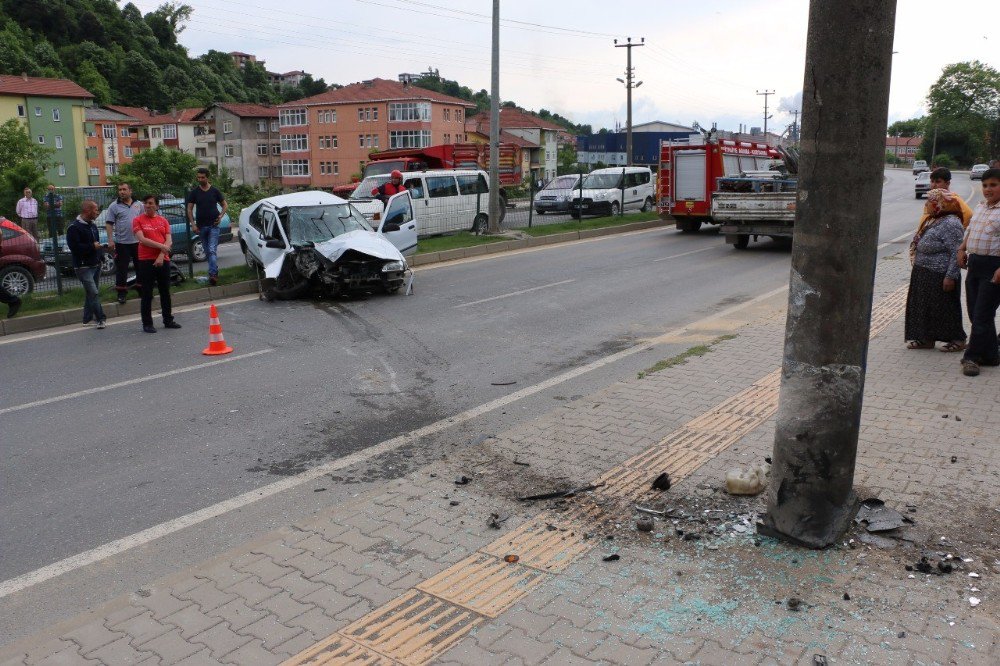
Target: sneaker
213	280
13	308
101	325
970	368
149	329
88	324
121	298
171	324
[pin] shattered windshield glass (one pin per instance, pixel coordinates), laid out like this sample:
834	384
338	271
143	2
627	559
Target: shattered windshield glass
602	181
365	187
321	223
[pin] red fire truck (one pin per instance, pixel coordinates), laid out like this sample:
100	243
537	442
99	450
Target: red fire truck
446	156
689	174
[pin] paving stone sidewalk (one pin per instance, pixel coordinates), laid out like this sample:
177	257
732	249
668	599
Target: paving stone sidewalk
719	598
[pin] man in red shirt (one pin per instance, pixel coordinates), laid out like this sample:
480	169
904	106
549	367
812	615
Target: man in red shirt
153	233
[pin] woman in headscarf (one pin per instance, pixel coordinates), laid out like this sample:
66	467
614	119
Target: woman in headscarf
933	304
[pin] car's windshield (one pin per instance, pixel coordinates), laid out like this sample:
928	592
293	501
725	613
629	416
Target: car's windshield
365	187
381	168
925	176
561	183
316	224
602	181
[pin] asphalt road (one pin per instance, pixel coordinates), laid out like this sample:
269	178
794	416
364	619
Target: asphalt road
311	382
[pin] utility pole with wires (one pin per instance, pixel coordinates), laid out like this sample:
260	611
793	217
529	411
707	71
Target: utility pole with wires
766	94
629	85
795	126
494	172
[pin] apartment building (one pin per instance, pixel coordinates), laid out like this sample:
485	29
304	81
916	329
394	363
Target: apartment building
325	139
245	140
544	155
109	140
54	113
177	129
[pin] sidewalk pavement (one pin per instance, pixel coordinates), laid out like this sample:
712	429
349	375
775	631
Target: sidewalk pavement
412	573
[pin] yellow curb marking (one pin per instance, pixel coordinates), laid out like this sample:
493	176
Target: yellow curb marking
426	621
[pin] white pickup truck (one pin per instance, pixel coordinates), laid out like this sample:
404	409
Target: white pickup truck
757	205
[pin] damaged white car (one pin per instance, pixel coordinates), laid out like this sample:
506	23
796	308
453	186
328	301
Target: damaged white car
316	242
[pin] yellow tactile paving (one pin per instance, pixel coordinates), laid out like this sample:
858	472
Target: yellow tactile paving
426	621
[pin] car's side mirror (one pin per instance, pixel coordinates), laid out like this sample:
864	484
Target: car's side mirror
390	226
275	244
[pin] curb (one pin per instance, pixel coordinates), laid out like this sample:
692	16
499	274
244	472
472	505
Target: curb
64	317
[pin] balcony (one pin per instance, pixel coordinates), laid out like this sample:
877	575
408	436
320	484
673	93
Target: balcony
207	137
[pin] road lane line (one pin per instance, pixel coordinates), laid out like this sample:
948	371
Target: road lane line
130	382
146	536
886	244
513	293
684	254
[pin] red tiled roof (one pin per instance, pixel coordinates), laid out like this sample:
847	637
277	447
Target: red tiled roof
136	112
378	90
510	118
39	87
249	110
507	137
174	117
903	141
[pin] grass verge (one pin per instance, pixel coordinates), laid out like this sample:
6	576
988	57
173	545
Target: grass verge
697	350
40	303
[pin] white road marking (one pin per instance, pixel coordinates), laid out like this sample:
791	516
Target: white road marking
684	254
908	234
146	536
130	382
513	293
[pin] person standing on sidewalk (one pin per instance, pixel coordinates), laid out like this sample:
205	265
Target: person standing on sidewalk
980	254
54	211
205	215
153	233
121	239
27	211
84	241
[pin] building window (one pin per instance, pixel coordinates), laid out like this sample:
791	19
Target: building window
292	117
128	151
293	142
400	111
319	116
110	169
41	139
361	140
21	113
458	115
227	127
201	152
62	169
333	140
263	172
294	167
170	131
124	132
56	118
447	138
336	168
38	112
375	140
361	114
262	149
409	139
108	131
261	125
94	171
58	143
275	149
446	113
274	125
374	113
322	168
154	132
230	151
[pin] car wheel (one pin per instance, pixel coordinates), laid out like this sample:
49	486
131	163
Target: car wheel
17	280
742	242
689	226
107	264
646	205
248	258
615	209
539	212
198	251
481	224
918	195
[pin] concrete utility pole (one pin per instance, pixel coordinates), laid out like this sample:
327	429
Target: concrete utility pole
844	109
795	124
629	85
494	209
766	94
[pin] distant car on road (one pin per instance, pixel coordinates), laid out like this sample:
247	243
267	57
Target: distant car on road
557	195
20	261
976	172
919	166
922	184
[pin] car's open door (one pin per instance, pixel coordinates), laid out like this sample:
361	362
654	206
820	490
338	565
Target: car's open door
398	224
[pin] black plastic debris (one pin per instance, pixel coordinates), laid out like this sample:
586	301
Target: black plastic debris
954	459
794	603
496	520
662	482
613	557
847	597
877	517
691	536
560	493
522	464
644	524
318	490
461	480
503	382
453	503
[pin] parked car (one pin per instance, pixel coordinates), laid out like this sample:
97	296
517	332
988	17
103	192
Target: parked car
557	195
315	240
609	191
922	184
172	209
919	166
21	262
976	172
443	199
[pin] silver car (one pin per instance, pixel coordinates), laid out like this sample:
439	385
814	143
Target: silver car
976	172
921	184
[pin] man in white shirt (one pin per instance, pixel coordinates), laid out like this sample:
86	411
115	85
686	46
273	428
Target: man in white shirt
27	211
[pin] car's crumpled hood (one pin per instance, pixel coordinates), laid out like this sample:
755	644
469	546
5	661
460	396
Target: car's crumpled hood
365	242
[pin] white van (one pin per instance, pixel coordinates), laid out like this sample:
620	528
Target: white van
443	199
612	190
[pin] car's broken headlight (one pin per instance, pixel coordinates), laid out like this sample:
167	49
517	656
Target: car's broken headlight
307	262
393	266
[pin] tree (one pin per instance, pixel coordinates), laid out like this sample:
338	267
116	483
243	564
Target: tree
139	83
92	81
158	171
908	128
168	21
16	146
963	88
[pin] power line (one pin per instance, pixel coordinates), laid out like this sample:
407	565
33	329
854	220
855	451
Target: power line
766	94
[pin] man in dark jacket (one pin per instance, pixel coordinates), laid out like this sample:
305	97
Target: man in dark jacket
84	242
393	186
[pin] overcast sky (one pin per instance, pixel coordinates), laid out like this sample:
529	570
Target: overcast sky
702	61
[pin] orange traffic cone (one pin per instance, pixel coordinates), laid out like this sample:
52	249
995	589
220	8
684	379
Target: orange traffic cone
216	343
